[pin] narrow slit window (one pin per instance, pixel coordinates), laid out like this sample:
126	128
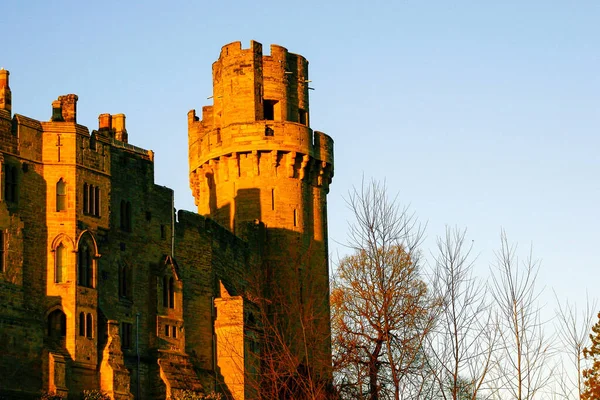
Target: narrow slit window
125	282
90	197
165	291
125	216
60	264
81	324
96	201
272	199
86	206
126	335
295	217
2	251
174	332
89	326
171	293
85	264
10	183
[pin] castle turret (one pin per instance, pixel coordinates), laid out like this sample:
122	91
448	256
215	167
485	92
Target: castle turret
254	157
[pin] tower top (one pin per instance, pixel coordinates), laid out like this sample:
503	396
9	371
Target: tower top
249	86
260	103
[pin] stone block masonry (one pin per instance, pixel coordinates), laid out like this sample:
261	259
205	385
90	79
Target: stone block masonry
114	291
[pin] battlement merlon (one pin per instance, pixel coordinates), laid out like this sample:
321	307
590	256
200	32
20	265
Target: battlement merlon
248	86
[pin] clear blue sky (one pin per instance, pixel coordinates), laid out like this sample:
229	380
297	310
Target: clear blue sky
481	114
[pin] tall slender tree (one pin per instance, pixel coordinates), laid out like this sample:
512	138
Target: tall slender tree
524	360
466	335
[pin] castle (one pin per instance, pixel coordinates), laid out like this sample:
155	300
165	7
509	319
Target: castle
103	286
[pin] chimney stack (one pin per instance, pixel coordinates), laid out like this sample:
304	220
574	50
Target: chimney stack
118	125
104	122
69	107
5	94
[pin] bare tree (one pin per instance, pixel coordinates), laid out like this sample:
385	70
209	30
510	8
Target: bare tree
467	332
382	310
573	327
524	368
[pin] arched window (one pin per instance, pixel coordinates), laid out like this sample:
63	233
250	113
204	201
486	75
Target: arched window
61	195
57	324
81	324
89	326
60	264
85	266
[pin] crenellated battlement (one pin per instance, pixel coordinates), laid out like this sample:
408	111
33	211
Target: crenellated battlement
235	48
260	108
248	86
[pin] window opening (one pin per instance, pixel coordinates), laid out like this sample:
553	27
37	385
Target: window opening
272	199
89	326
2	251
86	205
295	218
57	324
126	335
167	330
61	195
269	109
174	332
125	281
10	183
91	200
302	117
171	293
60	264
85	266
125	216
96	210
165	291
81	324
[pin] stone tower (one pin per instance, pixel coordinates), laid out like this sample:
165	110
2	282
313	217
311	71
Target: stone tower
254	158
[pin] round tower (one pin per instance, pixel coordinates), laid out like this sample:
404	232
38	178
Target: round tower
254	157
